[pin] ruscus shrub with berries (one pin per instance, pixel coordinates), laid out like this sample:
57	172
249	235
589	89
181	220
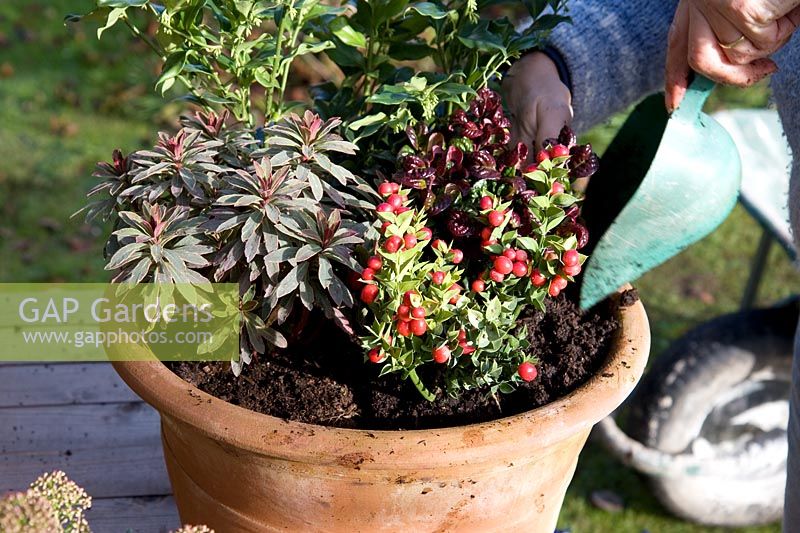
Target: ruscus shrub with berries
470	236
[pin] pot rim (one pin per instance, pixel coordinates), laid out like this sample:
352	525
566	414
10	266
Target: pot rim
241	428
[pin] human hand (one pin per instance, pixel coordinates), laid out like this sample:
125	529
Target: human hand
728	41
540	104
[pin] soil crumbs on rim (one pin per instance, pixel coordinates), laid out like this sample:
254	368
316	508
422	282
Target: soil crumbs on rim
326	381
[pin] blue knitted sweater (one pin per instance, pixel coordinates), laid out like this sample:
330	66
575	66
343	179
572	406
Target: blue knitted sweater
615	51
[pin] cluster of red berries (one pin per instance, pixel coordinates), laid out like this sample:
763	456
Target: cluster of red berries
553	152
370	291
572	267
410	319
442	353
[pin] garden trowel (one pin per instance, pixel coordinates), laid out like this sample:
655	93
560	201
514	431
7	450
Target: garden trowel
664	183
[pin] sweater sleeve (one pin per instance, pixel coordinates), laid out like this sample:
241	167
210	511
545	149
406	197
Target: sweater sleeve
615	51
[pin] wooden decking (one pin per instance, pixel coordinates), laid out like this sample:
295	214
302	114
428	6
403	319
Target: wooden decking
82	419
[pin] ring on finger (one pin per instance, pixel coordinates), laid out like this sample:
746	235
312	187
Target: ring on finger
732	44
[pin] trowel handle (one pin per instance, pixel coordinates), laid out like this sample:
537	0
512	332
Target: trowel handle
696	96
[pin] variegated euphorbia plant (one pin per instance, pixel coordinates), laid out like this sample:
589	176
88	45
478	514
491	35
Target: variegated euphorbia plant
278	217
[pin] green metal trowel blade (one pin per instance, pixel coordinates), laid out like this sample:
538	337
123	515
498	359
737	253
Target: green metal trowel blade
664	183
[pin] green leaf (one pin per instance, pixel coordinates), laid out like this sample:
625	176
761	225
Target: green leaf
264	77
290	282
306	252
475	318
392	95
528	243
126	254
368	120
341	29
429	9
480	37
325	272
281	255
493	309
113	16
171	70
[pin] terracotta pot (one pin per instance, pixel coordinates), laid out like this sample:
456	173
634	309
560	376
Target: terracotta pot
236	470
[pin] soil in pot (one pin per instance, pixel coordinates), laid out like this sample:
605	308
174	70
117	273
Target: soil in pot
325	380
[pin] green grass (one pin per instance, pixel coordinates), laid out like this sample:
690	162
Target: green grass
67	101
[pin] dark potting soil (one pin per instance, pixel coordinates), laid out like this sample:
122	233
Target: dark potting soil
325	380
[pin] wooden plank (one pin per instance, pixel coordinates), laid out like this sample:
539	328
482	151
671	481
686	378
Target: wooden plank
145	515
112	450
55	384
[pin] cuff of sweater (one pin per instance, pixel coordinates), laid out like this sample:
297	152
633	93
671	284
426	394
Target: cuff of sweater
561	65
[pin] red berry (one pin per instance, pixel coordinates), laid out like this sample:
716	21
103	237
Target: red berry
503	265
533	167
496	276
456	256
496	218
466	348
425	234
441	354
550	255
367	274
407	297
543	155
401	210
418	312
462	335
457	288
557	284
478	285
488	242
419	327
369	293
527	371
486	203
395	187
375	263
572	270
404	329
375	355
537	278
404	313
510	253
557	188
392	244
410	240
385	226
440	245
395	200
520	269
521	255
385	188
437	277
559	150
571	258
385	208
486	234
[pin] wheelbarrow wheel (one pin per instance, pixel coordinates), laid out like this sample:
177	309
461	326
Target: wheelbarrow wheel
721	393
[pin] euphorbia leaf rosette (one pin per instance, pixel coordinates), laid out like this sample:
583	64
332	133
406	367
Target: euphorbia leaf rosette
162	245
212	203
499	236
